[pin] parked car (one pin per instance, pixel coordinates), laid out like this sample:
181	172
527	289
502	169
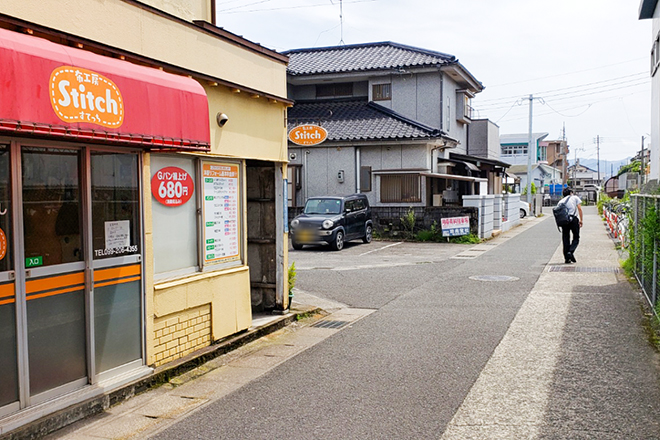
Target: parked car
524	209
332	220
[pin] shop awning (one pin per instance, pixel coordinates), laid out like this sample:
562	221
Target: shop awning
52	90
455	177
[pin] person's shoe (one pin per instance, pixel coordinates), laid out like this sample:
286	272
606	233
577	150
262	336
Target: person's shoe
567	261
572	258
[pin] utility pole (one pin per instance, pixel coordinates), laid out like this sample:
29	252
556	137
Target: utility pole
529	155
643	156
598	155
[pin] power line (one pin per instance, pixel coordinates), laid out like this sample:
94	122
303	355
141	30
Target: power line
571	87
235	11
567	73
572	95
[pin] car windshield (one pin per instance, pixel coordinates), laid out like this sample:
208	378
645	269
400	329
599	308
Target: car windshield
323	206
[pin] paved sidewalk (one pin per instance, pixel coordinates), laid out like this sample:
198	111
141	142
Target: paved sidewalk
575	363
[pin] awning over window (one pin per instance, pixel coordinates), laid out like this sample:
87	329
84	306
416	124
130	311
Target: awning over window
53	90
455	177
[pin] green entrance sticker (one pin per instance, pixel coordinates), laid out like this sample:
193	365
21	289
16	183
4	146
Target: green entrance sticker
208	198
34	261
210	241
208	180
209	224
210	248
210	257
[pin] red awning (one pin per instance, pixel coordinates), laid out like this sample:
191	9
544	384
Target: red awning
59	91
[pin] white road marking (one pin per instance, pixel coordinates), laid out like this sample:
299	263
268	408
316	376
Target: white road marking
380	249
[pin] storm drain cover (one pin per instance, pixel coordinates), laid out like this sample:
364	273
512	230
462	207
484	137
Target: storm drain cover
330	324
494	278
560	268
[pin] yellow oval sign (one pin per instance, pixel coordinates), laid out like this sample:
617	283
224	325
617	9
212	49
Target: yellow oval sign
81	95
308	135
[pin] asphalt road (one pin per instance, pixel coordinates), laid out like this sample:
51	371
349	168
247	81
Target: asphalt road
402	371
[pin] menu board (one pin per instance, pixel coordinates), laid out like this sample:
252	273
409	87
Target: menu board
220	192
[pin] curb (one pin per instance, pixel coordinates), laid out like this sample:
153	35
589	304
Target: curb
79	411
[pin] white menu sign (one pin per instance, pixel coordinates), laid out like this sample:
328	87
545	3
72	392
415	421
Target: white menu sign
220	190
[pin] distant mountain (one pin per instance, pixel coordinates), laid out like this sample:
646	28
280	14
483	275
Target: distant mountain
607	167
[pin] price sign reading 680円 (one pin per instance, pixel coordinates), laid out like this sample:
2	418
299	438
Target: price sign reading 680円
220	191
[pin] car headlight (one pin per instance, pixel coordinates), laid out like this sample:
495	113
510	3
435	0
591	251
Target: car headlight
294	223
327	224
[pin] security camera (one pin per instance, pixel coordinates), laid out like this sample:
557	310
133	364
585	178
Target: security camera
222	119
293	156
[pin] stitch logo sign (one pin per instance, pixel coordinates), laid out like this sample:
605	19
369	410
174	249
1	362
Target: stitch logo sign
81	95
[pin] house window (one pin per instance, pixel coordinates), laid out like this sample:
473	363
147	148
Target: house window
334	90
400	188
467	107
514	149
655	55
382	92
365	179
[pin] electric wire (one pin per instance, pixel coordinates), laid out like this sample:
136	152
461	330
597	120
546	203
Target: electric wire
234	11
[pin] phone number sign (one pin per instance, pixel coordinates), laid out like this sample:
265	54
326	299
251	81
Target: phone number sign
172	186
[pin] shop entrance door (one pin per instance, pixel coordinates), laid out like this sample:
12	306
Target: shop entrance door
53	243
8	348
71	302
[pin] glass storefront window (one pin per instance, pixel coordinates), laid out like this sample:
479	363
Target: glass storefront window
51	206
115	205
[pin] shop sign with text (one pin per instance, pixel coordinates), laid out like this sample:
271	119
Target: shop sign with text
172	186
81	95
308	135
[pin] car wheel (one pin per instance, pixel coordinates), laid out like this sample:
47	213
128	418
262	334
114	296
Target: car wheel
522	213
338	243
368	234
297	246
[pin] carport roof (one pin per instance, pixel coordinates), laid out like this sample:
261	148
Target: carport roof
360	120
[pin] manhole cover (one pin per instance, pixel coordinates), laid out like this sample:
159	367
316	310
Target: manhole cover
494	278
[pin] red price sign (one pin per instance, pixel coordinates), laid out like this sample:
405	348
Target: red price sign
172	186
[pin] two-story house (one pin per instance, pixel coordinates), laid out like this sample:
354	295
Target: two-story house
397	125
648	9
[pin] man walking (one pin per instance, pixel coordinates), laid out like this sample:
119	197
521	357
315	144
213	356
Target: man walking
574	205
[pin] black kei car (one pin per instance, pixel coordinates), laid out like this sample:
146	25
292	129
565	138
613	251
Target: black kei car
333	220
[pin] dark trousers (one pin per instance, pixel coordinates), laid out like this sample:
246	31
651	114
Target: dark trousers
566	231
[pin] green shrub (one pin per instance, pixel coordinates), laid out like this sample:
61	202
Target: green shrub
425	235
465	239
293	274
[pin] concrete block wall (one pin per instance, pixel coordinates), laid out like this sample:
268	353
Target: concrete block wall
485	205
180	334
511	214
497	212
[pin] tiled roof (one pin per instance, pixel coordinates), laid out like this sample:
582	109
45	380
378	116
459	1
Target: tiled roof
358	120
362	57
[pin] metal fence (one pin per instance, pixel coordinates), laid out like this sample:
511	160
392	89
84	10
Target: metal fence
644	238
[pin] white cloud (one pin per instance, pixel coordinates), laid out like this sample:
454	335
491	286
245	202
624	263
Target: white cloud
514	47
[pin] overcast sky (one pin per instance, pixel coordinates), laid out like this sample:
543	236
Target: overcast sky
586	60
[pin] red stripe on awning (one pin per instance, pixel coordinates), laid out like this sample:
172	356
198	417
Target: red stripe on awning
160	110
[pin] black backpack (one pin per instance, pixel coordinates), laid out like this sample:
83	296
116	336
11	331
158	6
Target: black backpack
562	218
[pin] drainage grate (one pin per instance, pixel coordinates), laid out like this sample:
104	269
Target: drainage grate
331	324
493	278
584	269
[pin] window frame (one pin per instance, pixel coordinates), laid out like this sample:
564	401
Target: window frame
381	92
405	192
